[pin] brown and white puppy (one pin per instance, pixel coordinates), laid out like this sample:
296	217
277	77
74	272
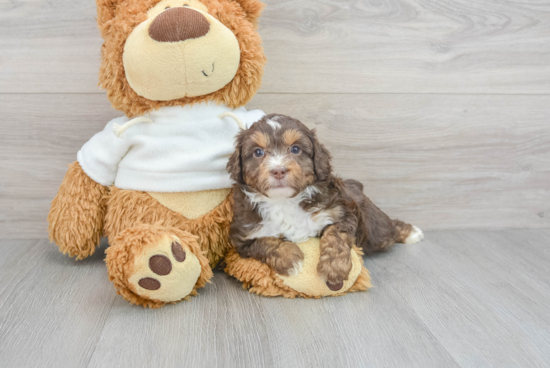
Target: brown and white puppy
285	192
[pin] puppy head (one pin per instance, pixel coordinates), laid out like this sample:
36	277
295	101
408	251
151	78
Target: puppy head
279	157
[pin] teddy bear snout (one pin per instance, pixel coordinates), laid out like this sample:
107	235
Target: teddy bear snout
178	24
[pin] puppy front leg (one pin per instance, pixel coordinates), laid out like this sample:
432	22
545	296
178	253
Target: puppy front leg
335	261
283	257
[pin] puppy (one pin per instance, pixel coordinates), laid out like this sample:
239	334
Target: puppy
285	192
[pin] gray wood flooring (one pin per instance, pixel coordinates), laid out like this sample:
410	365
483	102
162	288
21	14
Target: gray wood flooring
461	298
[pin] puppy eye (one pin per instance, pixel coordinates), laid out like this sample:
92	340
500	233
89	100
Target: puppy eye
259	152
186	6
295	149
167	8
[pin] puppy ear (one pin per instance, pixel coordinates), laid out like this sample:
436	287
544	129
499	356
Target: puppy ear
253	9
234	166
321	159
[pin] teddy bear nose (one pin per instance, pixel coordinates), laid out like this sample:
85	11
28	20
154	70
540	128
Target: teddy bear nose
178	24
279	172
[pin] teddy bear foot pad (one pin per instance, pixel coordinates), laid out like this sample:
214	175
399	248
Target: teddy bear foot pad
167	272
153	267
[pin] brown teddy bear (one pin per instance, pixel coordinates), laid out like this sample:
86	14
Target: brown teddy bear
154	180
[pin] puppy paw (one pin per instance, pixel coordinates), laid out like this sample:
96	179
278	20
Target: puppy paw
334	270
415	236
286	260
335	260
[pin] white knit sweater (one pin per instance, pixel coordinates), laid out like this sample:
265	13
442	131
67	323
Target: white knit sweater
184	149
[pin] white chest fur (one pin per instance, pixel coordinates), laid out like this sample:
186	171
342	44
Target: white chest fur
286	217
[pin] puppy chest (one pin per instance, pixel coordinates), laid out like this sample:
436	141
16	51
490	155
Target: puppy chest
290	221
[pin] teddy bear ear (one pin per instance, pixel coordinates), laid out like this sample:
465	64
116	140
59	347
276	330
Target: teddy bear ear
106	11
253	9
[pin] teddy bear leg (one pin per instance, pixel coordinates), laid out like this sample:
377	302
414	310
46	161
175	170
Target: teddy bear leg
152	265
77	214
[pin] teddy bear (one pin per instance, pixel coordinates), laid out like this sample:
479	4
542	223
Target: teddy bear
154	180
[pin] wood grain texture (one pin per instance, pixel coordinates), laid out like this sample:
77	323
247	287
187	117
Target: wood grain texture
52	308
438	161
462	298
228	327
328	46
49	46
407	46
484	304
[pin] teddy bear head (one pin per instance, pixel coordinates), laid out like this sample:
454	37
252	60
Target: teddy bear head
178	52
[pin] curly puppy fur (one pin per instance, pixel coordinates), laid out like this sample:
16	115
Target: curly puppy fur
129	244
117	19
285	190
77	214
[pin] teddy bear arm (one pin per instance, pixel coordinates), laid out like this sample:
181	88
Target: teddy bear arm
77	214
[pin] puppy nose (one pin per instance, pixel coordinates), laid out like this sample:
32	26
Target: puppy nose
279	172
178	24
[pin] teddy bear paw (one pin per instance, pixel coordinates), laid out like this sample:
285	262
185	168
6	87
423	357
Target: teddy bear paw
167	272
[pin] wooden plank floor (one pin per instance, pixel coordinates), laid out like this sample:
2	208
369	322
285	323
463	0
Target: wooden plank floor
461	298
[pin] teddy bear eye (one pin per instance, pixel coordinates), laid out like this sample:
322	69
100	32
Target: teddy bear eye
259	152
295	149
